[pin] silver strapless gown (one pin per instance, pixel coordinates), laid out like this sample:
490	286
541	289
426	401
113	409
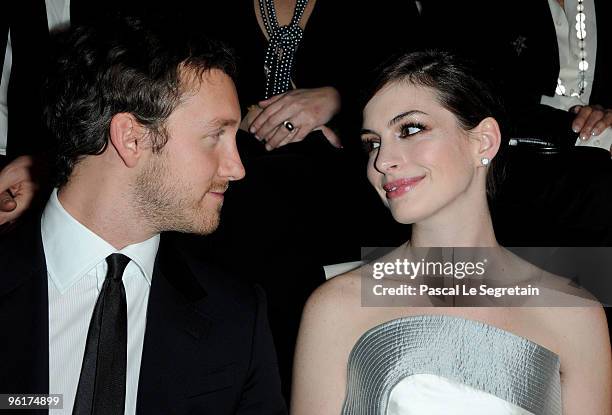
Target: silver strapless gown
431	365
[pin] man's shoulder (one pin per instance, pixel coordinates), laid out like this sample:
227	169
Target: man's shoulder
221	283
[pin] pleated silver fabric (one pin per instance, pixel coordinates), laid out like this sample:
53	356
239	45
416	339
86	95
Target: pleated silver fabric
473	353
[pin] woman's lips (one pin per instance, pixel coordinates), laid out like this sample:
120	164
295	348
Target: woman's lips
400	187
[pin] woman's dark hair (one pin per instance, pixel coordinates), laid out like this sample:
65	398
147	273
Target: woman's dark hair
122	65
461	88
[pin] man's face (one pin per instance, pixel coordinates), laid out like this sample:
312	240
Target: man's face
181	188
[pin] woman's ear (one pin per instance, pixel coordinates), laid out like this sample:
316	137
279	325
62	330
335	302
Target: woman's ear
488	137
127	137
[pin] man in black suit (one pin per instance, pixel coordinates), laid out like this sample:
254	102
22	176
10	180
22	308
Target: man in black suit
97	307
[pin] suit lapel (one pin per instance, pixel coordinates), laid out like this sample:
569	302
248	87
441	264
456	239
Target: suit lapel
24	311
175	327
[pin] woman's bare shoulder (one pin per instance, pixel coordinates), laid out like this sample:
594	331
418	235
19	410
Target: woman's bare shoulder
339	296
574	322
335	310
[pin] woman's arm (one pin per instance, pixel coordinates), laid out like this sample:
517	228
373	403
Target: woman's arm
586	361
319	370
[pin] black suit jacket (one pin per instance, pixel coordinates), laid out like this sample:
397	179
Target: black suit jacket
207	346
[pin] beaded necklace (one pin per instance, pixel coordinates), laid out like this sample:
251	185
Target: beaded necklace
282	44
583	65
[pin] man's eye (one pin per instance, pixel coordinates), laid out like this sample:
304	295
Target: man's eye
217	134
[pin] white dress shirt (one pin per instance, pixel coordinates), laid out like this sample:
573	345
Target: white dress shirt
58	14
76	266
569	57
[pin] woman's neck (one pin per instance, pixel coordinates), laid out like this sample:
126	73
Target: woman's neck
461	224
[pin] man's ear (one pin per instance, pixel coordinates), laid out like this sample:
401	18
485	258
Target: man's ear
127	136
488	137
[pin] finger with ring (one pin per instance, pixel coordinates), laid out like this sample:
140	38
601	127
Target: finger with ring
288	125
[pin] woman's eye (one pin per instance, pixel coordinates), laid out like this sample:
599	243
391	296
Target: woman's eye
370	145
410	129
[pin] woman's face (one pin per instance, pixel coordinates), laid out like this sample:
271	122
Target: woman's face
420	160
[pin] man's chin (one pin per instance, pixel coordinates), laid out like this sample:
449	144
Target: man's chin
208	225
208	230
201	225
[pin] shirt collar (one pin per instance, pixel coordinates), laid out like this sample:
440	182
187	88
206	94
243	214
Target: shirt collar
72	250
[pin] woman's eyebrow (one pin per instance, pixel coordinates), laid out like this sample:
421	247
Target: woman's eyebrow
399	117
366	131
394	121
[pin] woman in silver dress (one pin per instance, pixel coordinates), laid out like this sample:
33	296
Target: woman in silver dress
433	140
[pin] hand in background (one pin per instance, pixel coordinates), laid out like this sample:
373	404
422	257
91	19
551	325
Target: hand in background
252	113
591	120
17	188
306	109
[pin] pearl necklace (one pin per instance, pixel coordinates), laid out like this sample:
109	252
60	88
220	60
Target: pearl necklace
282	45
583	65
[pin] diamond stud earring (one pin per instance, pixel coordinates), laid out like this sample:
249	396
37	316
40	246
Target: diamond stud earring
485	161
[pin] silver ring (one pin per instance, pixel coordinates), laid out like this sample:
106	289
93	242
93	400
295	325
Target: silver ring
288	125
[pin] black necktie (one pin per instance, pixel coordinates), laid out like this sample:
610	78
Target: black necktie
101	389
